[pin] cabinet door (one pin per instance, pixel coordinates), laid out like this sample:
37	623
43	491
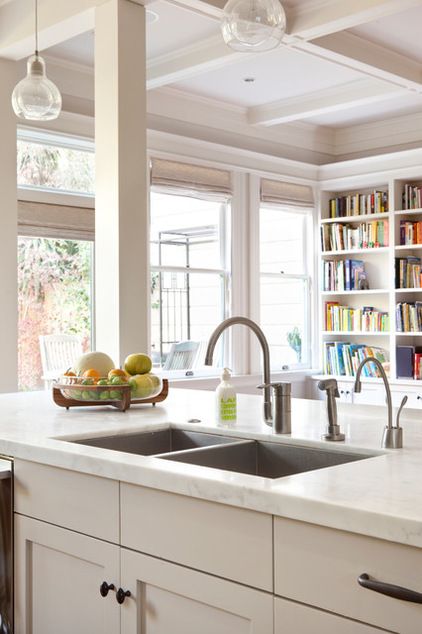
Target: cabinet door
302	619
168	598
58	574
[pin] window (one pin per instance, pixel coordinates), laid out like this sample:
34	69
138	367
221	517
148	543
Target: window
285	306
189	277
55	245
52	162
54	297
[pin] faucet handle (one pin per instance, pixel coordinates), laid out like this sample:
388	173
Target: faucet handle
281	388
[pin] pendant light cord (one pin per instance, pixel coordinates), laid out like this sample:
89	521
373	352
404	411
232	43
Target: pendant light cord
36	28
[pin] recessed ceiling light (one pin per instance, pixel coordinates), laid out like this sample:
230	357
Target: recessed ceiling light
249	80
151	16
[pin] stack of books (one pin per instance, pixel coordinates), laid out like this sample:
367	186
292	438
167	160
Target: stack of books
409	317
366	235
359	204
408	272
343	359
412	197
342	275
345	319
410	232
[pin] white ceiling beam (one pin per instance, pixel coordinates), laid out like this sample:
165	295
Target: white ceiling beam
356	93
352	51
200	58
58	21
337	15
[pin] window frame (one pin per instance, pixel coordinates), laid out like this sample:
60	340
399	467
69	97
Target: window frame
306	277
225	272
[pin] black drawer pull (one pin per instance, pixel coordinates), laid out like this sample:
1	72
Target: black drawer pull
389	589
121	595
105	587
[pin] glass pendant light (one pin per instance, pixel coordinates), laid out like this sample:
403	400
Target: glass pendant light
253	25
36	97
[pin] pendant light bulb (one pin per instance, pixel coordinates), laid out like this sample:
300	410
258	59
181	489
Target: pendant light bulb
253	25
35	97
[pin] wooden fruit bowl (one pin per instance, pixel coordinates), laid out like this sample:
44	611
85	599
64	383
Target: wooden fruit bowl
62	396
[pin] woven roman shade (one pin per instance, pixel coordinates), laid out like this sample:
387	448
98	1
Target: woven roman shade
283	193
188	178
55	221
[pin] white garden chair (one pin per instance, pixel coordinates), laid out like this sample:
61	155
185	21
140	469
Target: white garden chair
58	353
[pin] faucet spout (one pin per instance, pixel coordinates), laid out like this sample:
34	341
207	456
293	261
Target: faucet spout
244	321
392	436
358	386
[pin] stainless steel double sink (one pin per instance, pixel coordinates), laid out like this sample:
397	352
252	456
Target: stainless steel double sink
254	457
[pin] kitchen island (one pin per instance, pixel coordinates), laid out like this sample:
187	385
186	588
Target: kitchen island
202	549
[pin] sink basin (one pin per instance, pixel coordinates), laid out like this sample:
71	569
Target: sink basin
265	459
150	443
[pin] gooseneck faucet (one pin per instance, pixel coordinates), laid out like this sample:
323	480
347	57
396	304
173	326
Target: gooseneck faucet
244	321
393	435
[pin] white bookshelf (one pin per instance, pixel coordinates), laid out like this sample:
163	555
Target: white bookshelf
379	266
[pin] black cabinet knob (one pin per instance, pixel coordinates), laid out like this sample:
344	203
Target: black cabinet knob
121	595
419	397
105	588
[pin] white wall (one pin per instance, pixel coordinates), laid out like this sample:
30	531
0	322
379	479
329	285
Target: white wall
8	232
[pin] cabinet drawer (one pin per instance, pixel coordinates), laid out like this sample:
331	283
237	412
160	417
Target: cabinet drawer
320	566
222	540
302	619
78	501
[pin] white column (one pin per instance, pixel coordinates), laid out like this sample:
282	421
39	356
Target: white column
121	218
8	233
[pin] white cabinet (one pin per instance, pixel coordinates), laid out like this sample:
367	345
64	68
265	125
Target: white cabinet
301	619
58	578
170	599
59	574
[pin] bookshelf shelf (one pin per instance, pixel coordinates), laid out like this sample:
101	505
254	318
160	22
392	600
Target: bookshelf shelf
408	290
357	218
374	251
408	212
405	247
356	333
377	291
408	334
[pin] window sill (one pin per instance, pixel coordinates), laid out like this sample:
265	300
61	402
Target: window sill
210	381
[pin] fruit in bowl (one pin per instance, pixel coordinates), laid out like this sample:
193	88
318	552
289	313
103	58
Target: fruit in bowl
145	386
138	363
96	363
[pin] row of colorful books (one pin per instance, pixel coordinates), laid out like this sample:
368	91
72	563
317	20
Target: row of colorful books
343	359
359	204
410	232
342	275
412	197
366	235
346	319
409	317
408	272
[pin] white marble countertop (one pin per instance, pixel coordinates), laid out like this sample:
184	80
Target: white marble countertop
380	497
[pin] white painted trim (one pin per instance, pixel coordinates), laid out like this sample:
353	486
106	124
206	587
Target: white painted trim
38	195
335	99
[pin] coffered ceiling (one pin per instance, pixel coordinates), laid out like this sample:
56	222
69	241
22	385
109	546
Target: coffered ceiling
342	65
